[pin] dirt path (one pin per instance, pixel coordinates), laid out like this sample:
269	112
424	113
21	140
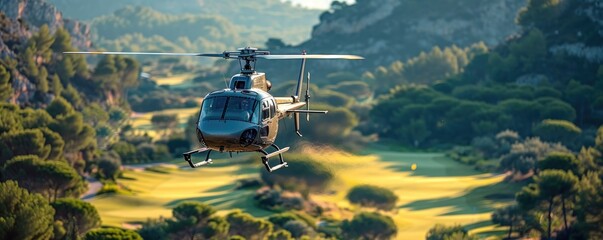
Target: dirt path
94	186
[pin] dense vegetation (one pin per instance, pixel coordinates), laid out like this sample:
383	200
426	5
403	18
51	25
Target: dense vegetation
268	17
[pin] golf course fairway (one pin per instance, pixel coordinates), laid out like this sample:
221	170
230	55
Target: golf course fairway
438	190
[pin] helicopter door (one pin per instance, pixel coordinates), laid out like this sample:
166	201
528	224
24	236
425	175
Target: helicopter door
265	119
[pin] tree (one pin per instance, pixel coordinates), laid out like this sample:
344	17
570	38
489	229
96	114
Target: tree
217	228
561	160
369	226
125	150
10	121
589	208
95	114
164	122
109	166
73	97
540	13
59	106
523	156
42	80
189	219
6	90
298	229
43	40
24	215
557	131
441	232
547	187
154	229
281	235
510	216
55	142
65	69
62	41
372	196
116	115
553	183
599	139
70	125
56	85
24	142
247	226
112	234
54	179
581	97
78	216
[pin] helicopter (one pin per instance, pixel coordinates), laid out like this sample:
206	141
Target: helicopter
244	117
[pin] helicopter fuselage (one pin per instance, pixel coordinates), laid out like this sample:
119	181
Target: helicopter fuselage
242	118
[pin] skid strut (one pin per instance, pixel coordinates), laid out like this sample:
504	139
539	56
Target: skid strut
187	157
267	156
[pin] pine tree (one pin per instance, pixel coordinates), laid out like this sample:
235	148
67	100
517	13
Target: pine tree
57	86
42	80
43	40
6	90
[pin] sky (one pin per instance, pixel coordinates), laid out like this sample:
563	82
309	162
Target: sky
316	4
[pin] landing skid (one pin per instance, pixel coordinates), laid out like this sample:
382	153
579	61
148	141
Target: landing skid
278	152
187	157
266	156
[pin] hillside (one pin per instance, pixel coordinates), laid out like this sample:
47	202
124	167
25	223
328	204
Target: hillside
37	13
257	21
387	30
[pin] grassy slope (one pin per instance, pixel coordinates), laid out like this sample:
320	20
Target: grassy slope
439	191
175	80
141	122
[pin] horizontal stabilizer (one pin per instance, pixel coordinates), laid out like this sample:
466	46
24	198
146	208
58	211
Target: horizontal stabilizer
308	111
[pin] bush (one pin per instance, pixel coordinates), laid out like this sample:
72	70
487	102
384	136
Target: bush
441	232
369	226
112	234
304	174
372	196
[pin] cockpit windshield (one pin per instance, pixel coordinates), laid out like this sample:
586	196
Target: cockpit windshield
230	108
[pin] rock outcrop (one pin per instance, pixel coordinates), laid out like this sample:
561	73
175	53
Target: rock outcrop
387	30
35	13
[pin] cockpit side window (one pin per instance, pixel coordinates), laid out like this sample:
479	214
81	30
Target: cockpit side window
265	110
272	108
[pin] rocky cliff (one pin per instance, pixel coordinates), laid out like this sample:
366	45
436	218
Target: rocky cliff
387	30
19	20
35	13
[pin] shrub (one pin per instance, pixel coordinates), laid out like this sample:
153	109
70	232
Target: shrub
304	174
441	232
372	196
369	226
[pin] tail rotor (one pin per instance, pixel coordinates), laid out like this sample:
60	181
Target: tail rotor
307	98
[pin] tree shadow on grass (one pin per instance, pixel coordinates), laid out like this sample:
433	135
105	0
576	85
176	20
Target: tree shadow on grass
477	200
477	225
222	188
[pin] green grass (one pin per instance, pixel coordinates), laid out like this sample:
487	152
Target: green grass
178	79
141	122
440	190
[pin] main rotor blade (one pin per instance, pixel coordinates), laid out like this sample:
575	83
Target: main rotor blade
309	56
137	53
